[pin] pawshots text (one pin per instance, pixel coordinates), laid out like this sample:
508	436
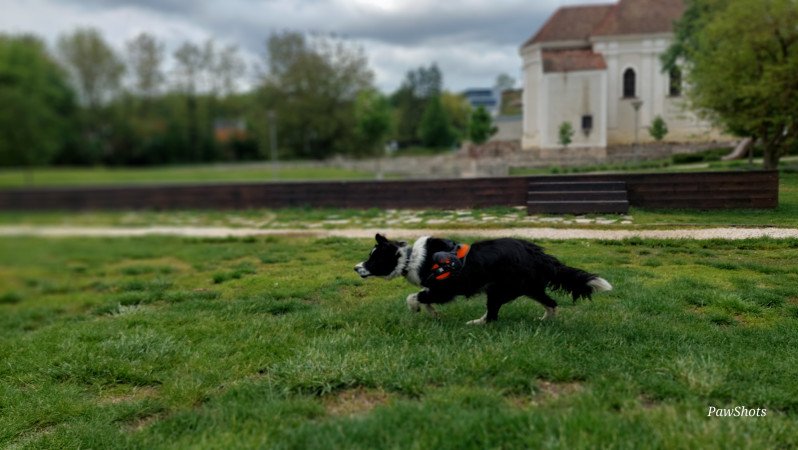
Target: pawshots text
738	411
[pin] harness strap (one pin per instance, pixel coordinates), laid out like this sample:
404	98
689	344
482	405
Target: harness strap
447	264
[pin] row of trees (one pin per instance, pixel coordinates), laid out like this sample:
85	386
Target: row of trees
84	103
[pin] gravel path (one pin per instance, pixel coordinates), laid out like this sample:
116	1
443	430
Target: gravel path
529	233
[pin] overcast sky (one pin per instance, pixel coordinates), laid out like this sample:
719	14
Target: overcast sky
472	41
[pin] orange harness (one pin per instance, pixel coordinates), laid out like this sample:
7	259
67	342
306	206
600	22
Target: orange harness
447	264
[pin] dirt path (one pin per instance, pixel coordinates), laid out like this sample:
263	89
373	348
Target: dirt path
529	233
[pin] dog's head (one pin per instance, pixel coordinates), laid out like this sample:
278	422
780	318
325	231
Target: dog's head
387	259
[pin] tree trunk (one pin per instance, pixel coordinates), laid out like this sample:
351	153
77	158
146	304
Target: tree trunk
193	129
770	158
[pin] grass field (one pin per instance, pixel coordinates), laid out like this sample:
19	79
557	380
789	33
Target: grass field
209	173
276	343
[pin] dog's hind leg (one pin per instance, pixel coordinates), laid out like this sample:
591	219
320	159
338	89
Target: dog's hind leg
549	303
432	311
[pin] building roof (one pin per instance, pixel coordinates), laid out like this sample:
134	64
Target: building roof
580	23
571	60
571	23
640	17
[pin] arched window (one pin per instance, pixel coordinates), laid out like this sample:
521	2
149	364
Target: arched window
675	89
629	83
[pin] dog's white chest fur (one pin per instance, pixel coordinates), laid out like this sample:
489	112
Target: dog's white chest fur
417	258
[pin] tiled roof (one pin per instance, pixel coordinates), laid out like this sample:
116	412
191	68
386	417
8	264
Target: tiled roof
571	60
580	23
640	17
571	23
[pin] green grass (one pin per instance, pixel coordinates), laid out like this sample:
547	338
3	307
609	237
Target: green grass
681	162
276	343
245	172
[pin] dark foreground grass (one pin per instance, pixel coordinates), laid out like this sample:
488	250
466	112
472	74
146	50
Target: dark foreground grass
275	343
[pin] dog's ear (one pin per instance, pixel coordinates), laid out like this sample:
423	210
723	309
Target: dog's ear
381	239
402	243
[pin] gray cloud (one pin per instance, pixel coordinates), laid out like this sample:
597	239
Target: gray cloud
163	6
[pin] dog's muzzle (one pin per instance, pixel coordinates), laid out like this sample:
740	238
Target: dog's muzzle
362	271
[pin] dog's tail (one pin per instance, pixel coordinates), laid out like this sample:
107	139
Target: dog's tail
577	282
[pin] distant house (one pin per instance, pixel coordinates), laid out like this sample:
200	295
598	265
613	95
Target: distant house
598	67
488	98
227	130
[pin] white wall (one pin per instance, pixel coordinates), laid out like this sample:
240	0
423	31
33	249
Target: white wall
568	97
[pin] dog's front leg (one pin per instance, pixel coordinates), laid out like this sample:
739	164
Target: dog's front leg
414	303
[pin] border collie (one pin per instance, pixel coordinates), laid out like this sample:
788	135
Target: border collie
503	268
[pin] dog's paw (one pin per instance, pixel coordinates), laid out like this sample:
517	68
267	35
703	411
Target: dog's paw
432	311
481	321
413	304
550	314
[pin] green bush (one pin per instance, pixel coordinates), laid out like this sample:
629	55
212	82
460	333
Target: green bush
481	127
566	134
658	128
709	155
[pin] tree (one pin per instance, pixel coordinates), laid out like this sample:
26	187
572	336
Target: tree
37	103
658	128
566	134
411	100
481	128
189	60
228	70
435	129
312	83
145	57
504	82
740	63
97	71
373	121
459	110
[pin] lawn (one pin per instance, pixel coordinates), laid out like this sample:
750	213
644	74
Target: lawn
209	173
276	343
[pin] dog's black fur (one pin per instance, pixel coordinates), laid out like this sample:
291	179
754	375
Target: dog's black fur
504	268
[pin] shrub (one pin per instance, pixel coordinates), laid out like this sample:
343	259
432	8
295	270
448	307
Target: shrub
712	154
566	134
658	128
481	127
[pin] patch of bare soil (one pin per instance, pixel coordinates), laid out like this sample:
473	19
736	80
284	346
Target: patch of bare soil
133	395
548	391
355	401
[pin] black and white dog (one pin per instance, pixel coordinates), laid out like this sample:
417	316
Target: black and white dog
504	268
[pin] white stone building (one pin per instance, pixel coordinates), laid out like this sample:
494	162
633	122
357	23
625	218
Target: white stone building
592	65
